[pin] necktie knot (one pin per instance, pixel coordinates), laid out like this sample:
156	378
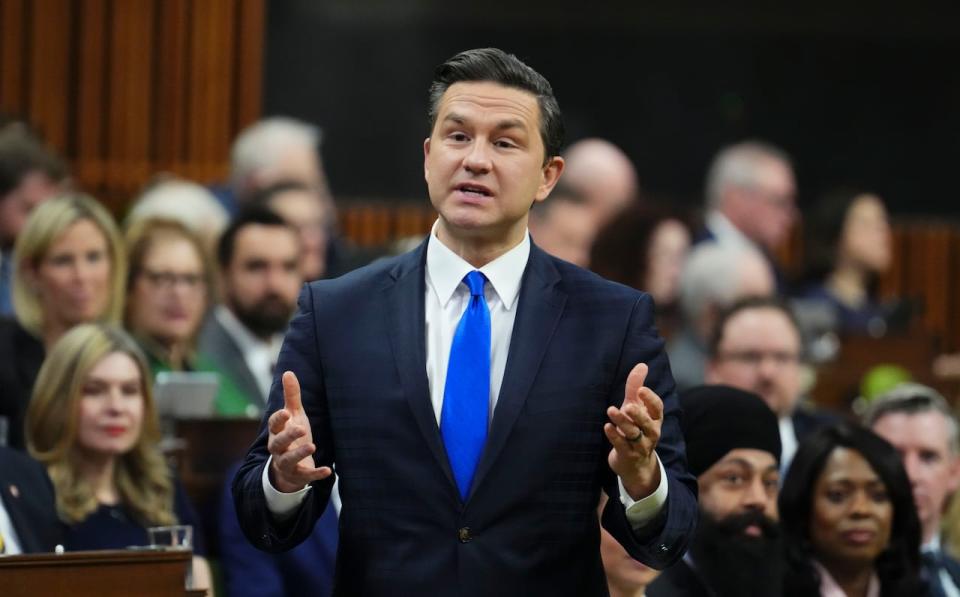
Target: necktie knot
475	280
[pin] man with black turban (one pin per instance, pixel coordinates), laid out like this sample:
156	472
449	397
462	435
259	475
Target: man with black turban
733	447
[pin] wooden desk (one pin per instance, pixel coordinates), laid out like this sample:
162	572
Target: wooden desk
115	573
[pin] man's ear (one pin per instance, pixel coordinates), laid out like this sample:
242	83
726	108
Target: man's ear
426	155
549	176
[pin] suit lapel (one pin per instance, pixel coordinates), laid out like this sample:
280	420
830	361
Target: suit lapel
540	306
18	517
406	326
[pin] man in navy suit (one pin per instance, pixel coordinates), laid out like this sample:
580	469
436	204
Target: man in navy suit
576	390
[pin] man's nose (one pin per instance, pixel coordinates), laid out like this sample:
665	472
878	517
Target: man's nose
912	464
755	495
477	160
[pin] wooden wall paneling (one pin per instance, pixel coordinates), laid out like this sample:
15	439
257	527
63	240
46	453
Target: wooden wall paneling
49	63
935	267
892	283
211	87
129	99
171	86
90	115
248	90
12	57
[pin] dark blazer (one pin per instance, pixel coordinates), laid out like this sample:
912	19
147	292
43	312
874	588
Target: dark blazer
307	569
28	498
529	525
218	346
21	355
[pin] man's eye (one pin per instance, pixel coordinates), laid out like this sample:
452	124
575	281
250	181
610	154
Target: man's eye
458	137
505	143
733	479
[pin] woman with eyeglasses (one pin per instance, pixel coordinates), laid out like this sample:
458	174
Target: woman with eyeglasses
168	293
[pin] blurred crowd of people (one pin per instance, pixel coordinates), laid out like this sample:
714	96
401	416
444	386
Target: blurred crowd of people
793	500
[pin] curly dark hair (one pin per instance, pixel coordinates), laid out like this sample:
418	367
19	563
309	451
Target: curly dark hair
898	567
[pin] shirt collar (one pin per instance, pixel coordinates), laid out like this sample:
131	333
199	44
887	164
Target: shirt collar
724	230
446	269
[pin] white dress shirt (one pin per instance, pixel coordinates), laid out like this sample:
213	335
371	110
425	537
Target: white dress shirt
11	543
260	356
946	581
788	443
446	299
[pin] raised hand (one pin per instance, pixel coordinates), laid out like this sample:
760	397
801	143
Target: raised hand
291	442
634	430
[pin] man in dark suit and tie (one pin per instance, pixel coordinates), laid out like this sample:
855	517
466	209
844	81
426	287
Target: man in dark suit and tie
475	395
920	424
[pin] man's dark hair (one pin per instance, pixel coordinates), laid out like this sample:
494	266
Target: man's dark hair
898	567
21	154
248	216
494	65
746	304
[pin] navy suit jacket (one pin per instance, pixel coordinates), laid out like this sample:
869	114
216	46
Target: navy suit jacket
306	569
529	525
28	497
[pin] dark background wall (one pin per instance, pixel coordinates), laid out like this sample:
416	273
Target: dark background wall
869	97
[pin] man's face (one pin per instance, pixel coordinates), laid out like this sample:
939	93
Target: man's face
744	481
566	231
765	210
16	206
759	351
923	440
484	163
737	541
263	279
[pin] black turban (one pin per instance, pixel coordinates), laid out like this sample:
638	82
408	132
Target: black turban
718	419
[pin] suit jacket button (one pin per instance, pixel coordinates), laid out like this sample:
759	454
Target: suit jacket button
464	535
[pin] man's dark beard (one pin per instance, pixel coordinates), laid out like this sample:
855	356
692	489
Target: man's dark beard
733	564
266	317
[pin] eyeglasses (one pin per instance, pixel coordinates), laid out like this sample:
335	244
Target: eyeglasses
755	358
167	280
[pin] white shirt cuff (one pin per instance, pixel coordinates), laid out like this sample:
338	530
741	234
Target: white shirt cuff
284	505
642	511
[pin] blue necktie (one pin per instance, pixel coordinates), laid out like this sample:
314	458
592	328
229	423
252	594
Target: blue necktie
466	394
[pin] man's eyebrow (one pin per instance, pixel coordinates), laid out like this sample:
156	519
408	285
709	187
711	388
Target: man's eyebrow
454	117
512	123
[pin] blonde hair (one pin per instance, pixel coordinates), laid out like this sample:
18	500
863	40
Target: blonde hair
141	475
44	226
141	236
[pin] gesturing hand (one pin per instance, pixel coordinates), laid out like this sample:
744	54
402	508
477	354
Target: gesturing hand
634	431
291	442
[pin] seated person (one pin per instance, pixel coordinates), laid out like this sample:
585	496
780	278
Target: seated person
52	292
919	423
28	514
306	569
168	292
848	519
733	445
93	423
850	247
